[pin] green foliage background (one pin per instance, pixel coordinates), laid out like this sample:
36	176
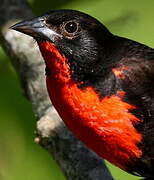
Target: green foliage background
20	157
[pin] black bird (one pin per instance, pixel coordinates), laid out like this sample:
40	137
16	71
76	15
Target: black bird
102	86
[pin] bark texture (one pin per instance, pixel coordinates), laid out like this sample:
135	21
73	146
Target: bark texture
76	161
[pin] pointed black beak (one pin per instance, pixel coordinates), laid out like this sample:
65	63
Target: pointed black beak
37	28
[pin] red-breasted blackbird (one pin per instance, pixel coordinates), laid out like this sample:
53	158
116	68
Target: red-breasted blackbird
102	86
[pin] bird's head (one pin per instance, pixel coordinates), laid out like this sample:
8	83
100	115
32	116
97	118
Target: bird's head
82	39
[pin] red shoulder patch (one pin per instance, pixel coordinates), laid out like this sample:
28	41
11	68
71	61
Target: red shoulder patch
119	72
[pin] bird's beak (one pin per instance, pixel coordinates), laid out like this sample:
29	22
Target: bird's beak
37	28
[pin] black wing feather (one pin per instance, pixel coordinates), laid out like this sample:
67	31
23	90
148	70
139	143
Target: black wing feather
138	83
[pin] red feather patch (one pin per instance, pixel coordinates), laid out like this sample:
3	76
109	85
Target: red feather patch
105	125
119	72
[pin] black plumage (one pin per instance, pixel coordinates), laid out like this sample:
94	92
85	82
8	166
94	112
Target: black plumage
93	54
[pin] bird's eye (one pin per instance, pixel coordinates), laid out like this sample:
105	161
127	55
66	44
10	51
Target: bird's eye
71	27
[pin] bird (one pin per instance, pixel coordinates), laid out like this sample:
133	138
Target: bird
101	84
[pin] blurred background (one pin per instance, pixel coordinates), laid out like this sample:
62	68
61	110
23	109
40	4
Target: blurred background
20	157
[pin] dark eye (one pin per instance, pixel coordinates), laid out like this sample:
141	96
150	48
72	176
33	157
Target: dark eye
71	27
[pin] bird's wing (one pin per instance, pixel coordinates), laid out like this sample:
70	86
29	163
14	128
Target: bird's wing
136	78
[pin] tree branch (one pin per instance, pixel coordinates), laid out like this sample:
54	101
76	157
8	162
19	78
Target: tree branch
76	161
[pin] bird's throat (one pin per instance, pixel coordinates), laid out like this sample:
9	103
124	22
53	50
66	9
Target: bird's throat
56	63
